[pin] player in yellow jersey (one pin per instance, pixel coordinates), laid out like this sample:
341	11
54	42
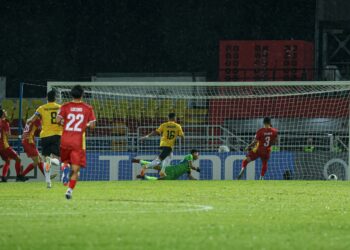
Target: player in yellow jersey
168	131
50	132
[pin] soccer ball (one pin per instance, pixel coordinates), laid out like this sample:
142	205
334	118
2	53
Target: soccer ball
224	149
332	177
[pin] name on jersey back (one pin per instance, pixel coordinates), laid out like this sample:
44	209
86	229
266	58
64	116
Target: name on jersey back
73	109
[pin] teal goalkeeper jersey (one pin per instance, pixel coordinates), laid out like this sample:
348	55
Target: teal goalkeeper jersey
174	172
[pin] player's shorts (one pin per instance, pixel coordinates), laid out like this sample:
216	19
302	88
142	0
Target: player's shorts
8	154
165	152
30	149
73	156
51	145
263	155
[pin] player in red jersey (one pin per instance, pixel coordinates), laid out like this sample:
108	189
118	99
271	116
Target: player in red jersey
6	152
75	116
28	143
260	147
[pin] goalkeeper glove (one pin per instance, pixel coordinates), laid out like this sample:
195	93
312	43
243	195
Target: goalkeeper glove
198	170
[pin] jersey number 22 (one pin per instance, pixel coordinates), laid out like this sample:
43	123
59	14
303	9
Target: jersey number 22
74	122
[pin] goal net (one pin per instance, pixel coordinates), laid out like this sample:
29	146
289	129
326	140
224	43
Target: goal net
220	120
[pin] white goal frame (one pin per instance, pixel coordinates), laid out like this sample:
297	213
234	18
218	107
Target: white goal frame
51	84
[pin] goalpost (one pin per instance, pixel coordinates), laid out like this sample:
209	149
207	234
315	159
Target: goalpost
217	117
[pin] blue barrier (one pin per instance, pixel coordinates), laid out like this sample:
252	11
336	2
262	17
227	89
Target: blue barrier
106	166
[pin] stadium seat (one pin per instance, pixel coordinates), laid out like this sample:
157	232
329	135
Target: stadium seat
9	106
119	145
25	109
108	108
152	109
97	108
197	116
122	109
119	129
181	108
166	106
136	109
37	102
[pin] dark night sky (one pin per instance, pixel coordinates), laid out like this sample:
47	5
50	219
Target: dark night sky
71	40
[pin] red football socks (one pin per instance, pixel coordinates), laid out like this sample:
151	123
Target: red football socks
264	168
41	167
72	183
28	169
5	169
18	168
244	163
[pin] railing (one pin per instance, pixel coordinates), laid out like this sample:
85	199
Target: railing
280	74
203	138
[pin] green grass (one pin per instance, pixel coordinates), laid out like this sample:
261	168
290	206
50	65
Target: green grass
177	215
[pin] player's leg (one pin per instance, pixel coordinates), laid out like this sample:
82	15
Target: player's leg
5	170
77	159
73	180
156	162
55	154
243	167
166	156
51	154
165	152
12	155
166	162
45	145
143	164
33	153
55	150
31	166
263	169
251	156
65	167
150	178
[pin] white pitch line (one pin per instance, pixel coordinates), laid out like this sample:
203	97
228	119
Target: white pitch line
193	208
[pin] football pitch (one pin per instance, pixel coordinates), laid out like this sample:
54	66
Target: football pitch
177	215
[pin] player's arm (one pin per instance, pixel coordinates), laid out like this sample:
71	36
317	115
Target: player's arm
181	133
92	120
190	163
91	124
59	119
251	145
155	132
33	118
8	134
60	115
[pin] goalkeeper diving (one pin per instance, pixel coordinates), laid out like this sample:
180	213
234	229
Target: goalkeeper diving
173	172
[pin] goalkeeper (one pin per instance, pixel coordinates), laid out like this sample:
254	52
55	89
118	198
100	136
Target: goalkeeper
173	172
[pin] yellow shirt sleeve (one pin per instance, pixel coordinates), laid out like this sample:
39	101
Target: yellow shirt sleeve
39	111
180	131
160	129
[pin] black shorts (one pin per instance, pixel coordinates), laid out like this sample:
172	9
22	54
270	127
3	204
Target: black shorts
165	152
51	145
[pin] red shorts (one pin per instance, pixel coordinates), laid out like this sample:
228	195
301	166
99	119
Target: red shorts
73	156
8	154
30	149
263	155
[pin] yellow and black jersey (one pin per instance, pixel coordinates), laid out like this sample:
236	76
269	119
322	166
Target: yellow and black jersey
169	131
47	114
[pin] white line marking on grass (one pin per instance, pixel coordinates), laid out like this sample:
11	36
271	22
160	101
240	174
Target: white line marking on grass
182	208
